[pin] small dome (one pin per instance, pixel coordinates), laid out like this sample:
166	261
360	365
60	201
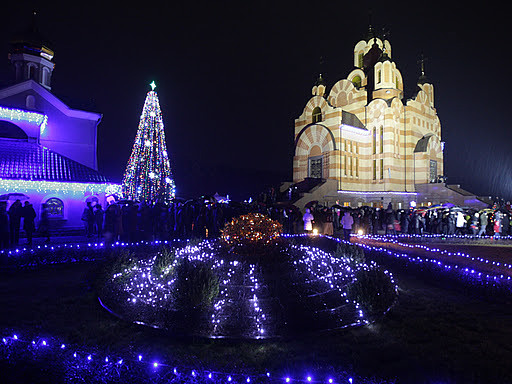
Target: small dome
384	57
31	41
320	80
423	79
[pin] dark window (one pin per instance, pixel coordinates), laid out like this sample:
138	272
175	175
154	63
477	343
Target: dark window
316	115
315	167
433	170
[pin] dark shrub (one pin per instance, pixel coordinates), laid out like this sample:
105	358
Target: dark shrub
123	260
195	287
164	261
374	290
350	252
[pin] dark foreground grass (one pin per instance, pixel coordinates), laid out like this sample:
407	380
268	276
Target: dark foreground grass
434	334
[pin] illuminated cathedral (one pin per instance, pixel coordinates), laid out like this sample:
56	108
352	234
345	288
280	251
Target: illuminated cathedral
363	143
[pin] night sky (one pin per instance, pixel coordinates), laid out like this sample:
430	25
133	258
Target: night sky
232	77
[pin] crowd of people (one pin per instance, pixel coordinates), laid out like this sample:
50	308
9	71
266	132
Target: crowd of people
11	223
445	220
205	217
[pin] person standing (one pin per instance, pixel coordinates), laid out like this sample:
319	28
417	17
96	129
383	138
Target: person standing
44	223
497	224
483	224
29	226
460	222
308	221
98	220
4	226
346	222
505	224
88	219
328	227
14	222
474	224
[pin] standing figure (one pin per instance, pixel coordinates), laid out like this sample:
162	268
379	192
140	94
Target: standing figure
497	224
328	227
88	219
4	226
98	220
14	222
460	222
483	224
29	216
346	222
474	224
308	221
44	223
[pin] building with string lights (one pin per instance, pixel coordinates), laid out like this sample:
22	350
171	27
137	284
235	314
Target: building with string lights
364	143
47	149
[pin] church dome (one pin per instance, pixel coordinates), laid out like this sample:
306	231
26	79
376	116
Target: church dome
372	56
31	41
384	57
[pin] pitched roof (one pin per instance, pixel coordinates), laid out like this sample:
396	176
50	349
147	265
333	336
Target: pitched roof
18	88
31	161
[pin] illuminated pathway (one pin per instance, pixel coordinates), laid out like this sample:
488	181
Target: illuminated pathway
478	268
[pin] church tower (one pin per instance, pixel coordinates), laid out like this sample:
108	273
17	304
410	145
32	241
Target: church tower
31	57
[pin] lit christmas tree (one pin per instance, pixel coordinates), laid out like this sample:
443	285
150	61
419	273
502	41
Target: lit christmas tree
148	175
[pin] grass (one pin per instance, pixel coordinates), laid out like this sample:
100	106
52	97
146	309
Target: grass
437	332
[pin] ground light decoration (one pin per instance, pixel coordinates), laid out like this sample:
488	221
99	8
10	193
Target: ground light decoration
264	286
148	177
30	257
242	281
16	345
90	364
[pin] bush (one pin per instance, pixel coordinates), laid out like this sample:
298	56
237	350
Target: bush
123	261
353	254
195	288
374	290
164	262
196	285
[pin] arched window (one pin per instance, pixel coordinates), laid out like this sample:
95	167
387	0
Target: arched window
381	139
316	115
31	72
374	141
379	77
46	77
55	207
357	81
30	102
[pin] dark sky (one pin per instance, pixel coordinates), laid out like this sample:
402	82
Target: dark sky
232	77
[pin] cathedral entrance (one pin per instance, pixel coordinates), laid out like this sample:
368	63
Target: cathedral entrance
315	167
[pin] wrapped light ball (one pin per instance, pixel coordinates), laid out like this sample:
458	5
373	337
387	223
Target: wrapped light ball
253	229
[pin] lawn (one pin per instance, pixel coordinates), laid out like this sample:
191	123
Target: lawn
440	330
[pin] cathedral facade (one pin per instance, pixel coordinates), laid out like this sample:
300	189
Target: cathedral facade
370	144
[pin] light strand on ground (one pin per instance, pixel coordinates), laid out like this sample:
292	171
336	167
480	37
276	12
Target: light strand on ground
109	364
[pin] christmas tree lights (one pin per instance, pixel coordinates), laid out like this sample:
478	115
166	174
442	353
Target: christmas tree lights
148	177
